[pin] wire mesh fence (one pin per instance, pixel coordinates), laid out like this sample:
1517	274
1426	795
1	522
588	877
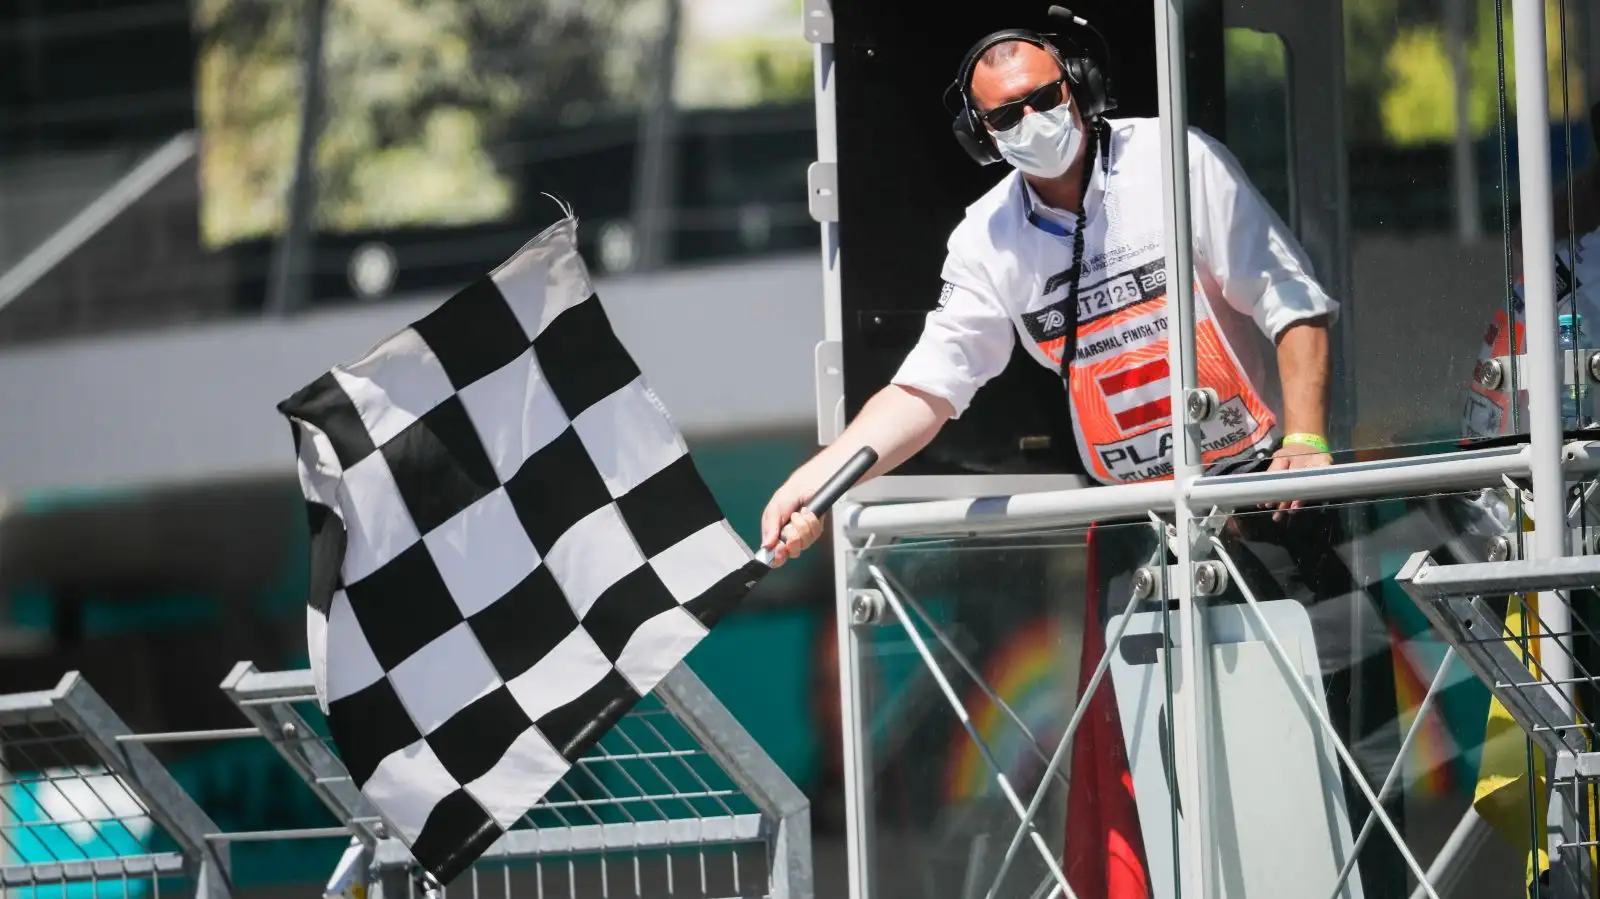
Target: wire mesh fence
85	810
675	801
1490	614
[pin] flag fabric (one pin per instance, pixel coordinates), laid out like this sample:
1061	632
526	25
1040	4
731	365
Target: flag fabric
1103	853
1502	794
510	547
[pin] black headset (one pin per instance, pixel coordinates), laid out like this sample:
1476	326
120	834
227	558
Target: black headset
1089	84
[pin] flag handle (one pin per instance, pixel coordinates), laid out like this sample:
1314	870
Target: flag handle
842	480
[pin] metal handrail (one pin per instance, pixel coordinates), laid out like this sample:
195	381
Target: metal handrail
94	217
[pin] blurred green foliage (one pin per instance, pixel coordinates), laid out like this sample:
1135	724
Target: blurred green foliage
424	99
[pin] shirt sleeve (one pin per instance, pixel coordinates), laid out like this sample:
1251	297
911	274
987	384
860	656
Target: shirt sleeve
965	342
1259	266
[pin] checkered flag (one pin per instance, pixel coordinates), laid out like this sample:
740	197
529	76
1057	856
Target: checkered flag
510	546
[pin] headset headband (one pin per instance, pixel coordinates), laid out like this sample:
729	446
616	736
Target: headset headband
1089	85
969	63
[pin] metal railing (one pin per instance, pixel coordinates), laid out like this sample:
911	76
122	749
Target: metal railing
81	802
677	800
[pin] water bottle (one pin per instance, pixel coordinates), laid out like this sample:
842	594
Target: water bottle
1573	396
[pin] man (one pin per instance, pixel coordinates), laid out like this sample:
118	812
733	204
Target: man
1067	251
1006	274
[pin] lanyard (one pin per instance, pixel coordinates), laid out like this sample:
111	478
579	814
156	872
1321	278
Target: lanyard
1070	348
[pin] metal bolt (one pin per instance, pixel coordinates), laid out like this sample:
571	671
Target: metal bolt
1144	583
1200	404
866	607
1210	578
289	730
1489	374
1594	367
1499	549
379	831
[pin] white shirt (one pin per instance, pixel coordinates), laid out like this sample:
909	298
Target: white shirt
1005	275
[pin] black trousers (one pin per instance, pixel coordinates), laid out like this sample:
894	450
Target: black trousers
1304	557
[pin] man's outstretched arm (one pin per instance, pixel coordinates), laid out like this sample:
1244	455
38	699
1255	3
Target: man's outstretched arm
897	422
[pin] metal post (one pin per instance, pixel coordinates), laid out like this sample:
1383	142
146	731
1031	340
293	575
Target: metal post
1469	219
291	270
1194	874
1543	365
755	774
817	26
658	141
78	705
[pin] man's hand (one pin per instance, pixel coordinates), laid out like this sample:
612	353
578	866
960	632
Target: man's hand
787	527
1291	456
897	422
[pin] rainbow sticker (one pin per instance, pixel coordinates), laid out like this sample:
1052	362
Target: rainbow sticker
1029	673
1430	763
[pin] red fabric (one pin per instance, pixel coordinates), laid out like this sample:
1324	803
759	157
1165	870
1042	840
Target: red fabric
1104	851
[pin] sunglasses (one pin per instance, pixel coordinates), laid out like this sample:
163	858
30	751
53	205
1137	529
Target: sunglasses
1042	98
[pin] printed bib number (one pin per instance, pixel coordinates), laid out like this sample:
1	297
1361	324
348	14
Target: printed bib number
1122	399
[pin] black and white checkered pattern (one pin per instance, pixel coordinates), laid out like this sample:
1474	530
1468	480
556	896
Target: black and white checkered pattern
510	546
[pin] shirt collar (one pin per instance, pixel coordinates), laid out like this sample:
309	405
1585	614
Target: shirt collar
1059	222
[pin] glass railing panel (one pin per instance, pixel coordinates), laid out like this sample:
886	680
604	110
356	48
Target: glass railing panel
1319	660
1354	183
1016	628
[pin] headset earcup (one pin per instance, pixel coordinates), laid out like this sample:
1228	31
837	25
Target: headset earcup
1089	87
977	145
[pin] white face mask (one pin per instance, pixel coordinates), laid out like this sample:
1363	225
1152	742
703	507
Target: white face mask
1043	144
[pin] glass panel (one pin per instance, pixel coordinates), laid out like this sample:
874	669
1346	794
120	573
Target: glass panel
1377	170
1323	582
1256	64
1017	627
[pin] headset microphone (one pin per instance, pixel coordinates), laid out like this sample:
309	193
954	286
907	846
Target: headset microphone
1061	12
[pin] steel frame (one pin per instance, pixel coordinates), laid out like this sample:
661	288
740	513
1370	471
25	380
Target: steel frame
1452	598
1544	459
74	705
780	824
268	700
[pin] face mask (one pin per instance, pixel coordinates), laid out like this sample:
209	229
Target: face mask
1043	144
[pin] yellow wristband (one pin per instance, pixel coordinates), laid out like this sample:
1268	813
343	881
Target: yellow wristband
1315	441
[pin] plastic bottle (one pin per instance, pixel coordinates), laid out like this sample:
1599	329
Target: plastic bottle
1574	397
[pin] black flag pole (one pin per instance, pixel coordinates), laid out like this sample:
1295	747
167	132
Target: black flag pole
843	479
